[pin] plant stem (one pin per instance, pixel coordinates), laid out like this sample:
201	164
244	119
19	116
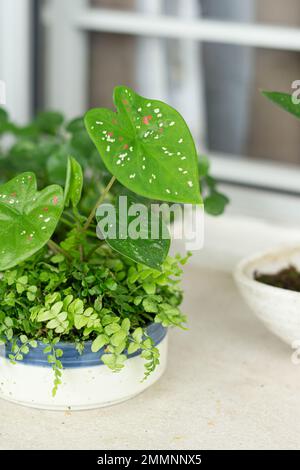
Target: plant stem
57	249
72	225
100	200
66	222
81	251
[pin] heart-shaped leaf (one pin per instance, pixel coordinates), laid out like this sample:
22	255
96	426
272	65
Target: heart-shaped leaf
74	183
134	231
147	145
284	100
28	218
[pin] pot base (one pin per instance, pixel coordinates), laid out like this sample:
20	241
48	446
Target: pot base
82	388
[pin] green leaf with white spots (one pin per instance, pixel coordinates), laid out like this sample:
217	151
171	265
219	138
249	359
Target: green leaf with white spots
135	231
28	218
147	145
74	183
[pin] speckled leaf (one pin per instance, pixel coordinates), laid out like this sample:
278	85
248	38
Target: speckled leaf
28	218
147	145
74	183
148	251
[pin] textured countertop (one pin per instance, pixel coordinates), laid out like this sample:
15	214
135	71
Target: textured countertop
230	384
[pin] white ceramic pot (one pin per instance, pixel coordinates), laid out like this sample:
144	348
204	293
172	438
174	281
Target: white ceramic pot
278	309
86	382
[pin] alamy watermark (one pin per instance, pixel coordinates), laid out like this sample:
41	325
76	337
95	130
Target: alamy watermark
130	220
296	93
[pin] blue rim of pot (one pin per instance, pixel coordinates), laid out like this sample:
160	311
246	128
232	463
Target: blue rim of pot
72	358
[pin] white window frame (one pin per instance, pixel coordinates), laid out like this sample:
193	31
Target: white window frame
15	57
68	52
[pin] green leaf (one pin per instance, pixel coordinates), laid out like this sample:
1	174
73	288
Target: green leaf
149	306
112	328
49	122
203	166
56	308
147	145
9	334
61	328
118	338
133	347
138	334
62	316
284	100
76	307
74	183
125	325
215	203
23	280
149	287
24	349
99	342
8	322
137	300
44	315
28	218
108	359
75	125
120	359
111	284
147	343
53	324
146	249
23	339
59	352
56	165
80	321
3	115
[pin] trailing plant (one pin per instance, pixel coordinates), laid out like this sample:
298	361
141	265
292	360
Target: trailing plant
59	282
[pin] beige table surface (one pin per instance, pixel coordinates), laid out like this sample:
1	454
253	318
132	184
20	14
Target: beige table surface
230	384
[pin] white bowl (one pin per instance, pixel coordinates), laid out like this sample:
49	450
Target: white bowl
86	382
278	309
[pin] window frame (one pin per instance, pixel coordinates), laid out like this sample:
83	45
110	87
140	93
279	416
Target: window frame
16	57
79	19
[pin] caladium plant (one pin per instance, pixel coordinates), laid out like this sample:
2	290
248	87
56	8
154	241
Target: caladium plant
146	145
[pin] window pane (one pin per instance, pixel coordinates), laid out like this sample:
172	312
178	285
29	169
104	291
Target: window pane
240	120
215	86
276	12
112	62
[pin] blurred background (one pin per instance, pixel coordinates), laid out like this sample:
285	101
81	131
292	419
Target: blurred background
207	58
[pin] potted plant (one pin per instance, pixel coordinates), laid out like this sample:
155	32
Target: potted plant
83	317
270	281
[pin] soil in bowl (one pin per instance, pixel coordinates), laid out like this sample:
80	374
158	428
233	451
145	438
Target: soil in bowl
287	278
